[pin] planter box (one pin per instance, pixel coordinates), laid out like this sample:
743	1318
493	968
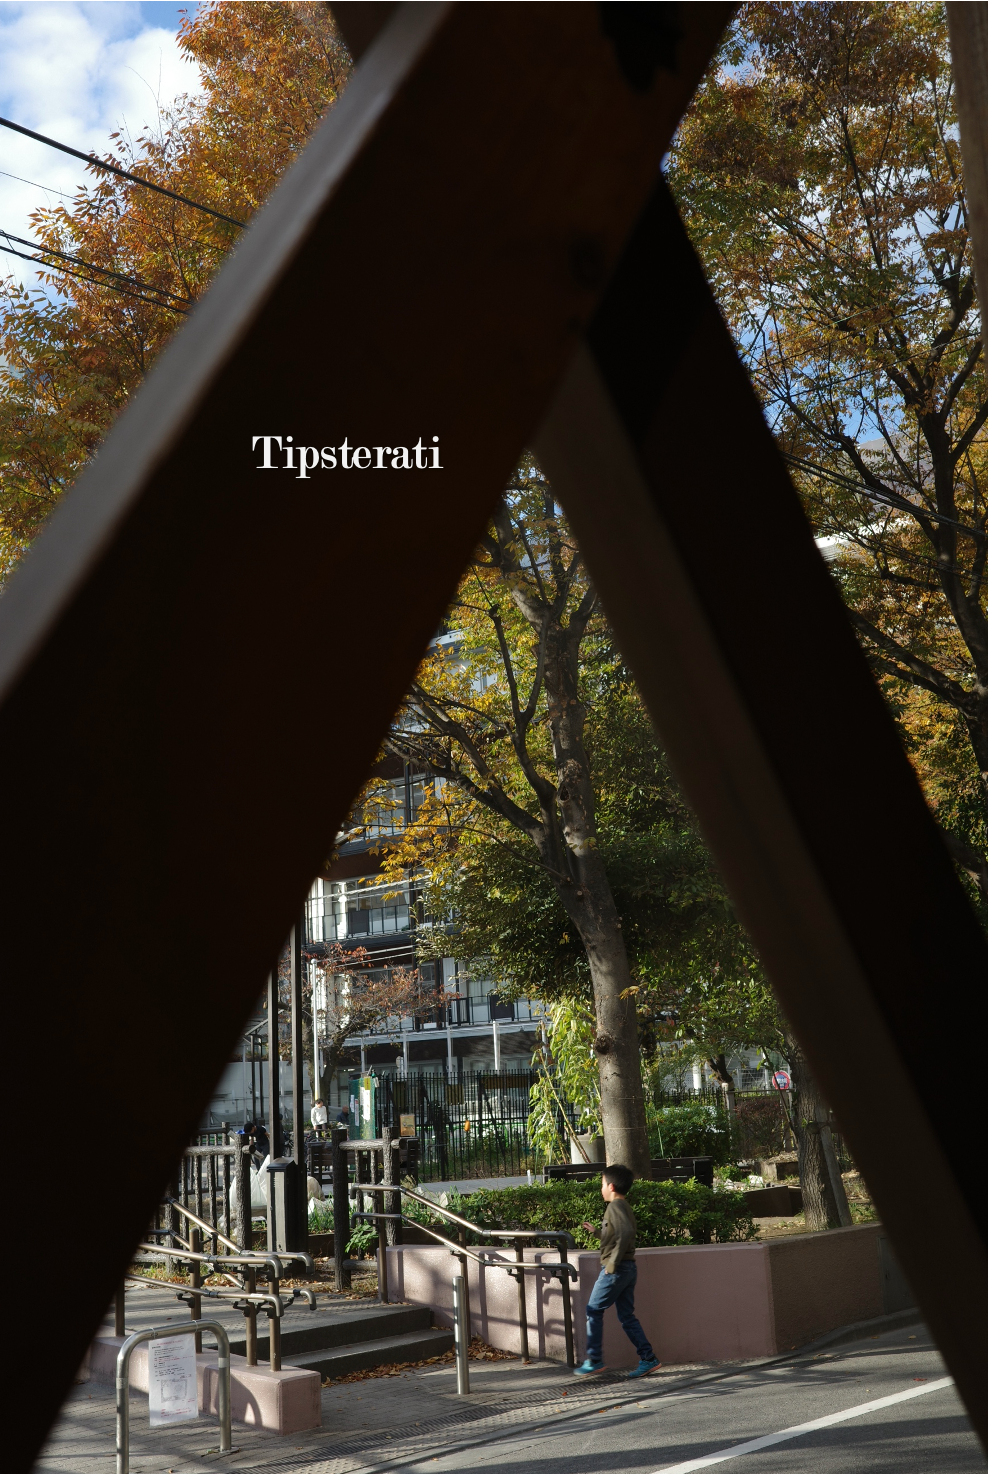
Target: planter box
288	1401
702	1302
774	1202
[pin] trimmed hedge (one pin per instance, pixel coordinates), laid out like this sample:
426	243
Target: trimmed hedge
666	1212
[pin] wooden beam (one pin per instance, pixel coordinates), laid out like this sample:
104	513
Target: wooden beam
707	567
968	24
181	735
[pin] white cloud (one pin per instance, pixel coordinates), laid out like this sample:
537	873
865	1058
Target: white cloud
77	72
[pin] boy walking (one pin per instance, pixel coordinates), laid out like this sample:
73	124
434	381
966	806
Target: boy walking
616	1281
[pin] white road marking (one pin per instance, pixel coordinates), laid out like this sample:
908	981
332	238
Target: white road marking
800	1428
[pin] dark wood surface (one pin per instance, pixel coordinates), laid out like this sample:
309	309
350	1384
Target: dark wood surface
724	608
178	730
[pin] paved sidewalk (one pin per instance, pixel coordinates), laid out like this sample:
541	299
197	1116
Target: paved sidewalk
365	1424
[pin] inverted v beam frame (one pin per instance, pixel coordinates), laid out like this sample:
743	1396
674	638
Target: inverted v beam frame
448	259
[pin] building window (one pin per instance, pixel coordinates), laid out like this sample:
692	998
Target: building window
338	910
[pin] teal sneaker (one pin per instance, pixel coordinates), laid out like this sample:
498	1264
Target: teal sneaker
644	1367
588	1368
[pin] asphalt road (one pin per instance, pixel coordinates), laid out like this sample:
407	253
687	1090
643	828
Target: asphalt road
924	1432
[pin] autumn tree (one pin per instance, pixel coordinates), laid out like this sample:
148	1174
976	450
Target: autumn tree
359	998
123	265
513	838
819	175
345	993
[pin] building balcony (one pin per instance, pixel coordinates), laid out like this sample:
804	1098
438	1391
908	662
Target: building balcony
461	1014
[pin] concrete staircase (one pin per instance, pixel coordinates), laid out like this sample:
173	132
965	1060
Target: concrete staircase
349	1338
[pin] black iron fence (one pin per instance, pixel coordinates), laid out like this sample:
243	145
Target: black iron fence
475	1125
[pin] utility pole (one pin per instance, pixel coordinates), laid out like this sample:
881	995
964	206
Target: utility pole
274	1072
274	1101
298	1088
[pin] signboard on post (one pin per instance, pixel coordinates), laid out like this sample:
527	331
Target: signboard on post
363	1107
407	1123
172	1392
781	1080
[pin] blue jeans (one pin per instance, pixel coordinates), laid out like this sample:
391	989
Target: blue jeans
617	1289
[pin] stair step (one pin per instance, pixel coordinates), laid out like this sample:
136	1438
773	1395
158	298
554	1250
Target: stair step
412	1346
322	1333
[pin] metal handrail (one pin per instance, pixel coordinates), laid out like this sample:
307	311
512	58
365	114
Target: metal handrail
123	1382
201	1223
272	1262
512	1265
286	1254
517	1267
559	1235
186	1292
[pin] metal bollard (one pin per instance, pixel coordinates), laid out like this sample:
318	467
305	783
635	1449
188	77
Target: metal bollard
522	1305
250	1319
154	1333
461	1333
564	1284
382	1268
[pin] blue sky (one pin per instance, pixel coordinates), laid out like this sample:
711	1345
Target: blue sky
78	70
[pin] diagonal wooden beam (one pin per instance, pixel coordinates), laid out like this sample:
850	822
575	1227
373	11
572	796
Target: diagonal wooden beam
707	567
179	731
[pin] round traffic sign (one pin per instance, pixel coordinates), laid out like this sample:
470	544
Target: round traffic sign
781	1080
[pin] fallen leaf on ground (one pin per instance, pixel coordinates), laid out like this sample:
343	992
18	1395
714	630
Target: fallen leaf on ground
478	1351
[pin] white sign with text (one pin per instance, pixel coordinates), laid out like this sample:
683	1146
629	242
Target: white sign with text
172	1393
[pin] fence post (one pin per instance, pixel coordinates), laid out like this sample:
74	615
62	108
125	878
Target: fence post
341	1208
242	1235
250	1319
389	1174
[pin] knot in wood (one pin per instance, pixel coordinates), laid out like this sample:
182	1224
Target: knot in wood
603	1044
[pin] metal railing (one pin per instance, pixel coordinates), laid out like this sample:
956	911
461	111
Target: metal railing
474	1125
156	1333
516	1268
235	1263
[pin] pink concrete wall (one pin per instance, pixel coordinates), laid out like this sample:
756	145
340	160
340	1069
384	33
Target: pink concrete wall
824	1280
708	1302
696	1302
283	1402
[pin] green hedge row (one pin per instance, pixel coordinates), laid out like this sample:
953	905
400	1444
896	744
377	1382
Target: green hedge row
666	1212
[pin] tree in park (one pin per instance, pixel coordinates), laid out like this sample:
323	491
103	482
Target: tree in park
354	997
819	175
533	698
71	356
556	842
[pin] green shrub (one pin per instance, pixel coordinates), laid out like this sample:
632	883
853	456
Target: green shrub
693	1129
363	1239
666	1212
321	1216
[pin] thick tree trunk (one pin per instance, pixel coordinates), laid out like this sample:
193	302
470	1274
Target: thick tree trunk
616	1045
824	1198
570	829
590	904
724	1078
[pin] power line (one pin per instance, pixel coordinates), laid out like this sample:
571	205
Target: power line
132	281
48	188
122	173
110	286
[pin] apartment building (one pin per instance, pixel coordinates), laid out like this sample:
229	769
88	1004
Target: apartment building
470	1027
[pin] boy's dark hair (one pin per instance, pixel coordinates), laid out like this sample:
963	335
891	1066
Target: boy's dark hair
619	1177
